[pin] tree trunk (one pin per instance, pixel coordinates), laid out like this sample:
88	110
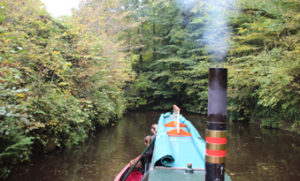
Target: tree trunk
154	34
154	43
140	51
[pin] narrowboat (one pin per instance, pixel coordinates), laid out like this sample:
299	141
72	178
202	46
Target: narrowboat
179	152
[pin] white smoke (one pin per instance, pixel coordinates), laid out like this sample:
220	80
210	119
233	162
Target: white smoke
217	32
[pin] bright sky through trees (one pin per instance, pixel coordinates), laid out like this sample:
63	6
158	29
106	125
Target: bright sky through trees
60	7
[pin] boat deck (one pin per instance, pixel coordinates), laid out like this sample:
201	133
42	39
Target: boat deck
160	173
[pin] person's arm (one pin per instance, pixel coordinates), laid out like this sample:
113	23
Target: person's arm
138	166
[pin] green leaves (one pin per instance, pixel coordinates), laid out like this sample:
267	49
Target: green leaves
58	80
3	7
262	79
263	60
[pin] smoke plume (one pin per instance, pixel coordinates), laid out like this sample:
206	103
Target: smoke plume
217	32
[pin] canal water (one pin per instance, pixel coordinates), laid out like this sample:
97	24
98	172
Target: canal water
253	154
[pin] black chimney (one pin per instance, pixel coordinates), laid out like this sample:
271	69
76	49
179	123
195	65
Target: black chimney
216	133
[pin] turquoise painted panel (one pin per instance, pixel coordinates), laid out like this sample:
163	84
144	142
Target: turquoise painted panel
199	143
178	151
184	152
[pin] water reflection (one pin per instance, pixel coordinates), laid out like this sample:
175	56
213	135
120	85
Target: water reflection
252	153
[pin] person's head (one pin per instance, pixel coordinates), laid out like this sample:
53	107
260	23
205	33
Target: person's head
147	140
154	129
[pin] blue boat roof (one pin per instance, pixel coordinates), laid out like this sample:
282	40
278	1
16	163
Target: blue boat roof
178	151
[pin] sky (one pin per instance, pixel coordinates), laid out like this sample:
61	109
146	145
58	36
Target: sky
60	7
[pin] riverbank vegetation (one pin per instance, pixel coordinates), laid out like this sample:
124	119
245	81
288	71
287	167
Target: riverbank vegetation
265	64
62	78
59	81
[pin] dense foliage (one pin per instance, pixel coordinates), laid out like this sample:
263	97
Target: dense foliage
263	59
172	68
265	63
61	78
58	83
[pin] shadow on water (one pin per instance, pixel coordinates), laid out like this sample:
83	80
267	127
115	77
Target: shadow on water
252	153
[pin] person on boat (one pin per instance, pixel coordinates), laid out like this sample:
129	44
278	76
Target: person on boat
137	173
147	140
148	155
150	151
143	165
153	130
139	166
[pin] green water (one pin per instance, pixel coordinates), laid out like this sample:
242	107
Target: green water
252	153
